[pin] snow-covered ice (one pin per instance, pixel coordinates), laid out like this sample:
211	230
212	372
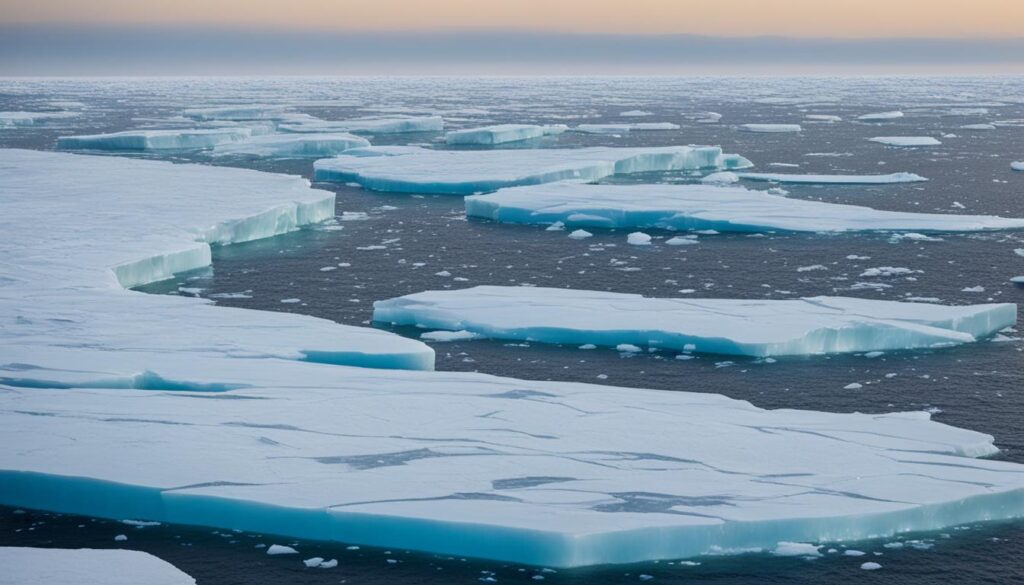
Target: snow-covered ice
114	223
460	172
500	134
806	326
175	139
835	179
293	145
880	116
372	125
623	128
697	207
906	140
771	128
60	566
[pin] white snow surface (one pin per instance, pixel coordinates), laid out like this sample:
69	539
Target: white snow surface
114	223
760	328
61	566
174	139
502	133
771	128
371	125
293	145
460	172
699	207
906	140
834	179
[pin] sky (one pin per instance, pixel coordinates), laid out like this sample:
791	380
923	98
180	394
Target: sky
508	36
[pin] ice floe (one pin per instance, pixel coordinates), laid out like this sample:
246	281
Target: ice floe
460	172
116	223
293	145
835	179
500	134
60	566
906	140
823	118
700	207
1017	166
371	125
806	326
623	128
239	112
142	140
880	116
771	128
10	119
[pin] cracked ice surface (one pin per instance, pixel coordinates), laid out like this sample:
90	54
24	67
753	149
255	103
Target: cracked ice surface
543	473
54	566
459	172
813	325
114	223
696	207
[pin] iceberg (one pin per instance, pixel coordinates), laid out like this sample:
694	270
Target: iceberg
771	128
835	179
623	128
880	116
372	125
116	223
758	328
411	169
240	112
292	145
500	134
703	207
539	473
143	140
56	566
10	119
906	140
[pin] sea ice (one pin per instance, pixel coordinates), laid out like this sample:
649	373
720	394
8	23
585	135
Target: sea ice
500	134
906	140
623	128
1017	166
293	145
978	127
806	326
239	112
823	118
771	128
176	139
372	125
880	116
697	207
59	566
10	119
835	179
461	172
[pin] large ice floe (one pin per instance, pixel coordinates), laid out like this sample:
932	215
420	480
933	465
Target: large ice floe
142	140
9	119
502	133
906	140
834	179
115	223
372	125
58	566
292	145
760	328
460	172
700	207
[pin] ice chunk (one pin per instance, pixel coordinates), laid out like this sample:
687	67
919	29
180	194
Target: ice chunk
58	566
906	140
372	125
239	112
293	145
978	127
823	118
835	179
1017	166
10	119
880	116
771	128
500	134
871	566
721	178
814	325
623	128
796	549
580	234
280	549
697	207
116	223
638	239
461	172
635	114
176	139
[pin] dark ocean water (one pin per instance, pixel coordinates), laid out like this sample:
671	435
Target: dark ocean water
980	386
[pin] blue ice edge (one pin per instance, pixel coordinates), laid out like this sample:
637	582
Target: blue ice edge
91	497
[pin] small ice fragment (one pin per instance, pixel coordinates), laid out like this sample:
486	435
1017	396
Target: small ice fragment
879	116
120	538
906	140
720	178
280	549
771	128
313	562
627	347
871	566
449	336
291	301
329	564
854	553
580	234
638	239
682	241
853	386
796	549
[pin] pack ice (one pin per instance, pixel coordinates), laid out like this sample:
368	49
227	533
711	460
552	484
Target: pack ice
459	172
834	179
56	566
700	207
115	223
172	139
370	125
502	133
760	328
292	145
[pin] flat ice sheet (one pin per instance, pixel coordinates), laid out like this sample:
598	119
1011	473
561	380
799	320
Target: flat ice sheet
834	179
293	145
60	566
623	128
9	119
906	140
140	140
502	133
771	128
460	172
696	207
372	125
114	223
760	328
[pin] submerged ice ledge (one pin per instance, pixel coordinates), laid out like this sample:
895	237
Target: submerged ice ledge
759	328
697	207
459	172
